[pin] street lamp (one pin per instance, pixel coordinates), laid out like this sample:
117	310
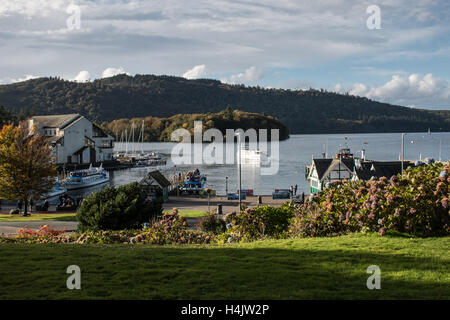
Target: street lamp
239	168
226	186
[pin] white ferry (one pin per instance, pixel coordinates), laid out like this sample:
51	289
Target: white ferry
58	189
86	178
254	157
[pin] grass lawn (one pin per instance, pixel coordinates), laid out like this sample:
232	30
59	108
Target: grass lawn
318	268
40	217
189	213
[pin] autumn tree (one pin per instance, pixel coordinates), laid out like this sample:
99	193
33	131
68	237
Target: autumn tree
26	170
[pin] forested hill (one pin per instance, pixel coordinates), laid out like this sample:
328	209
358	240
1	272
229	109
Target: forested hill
302	111
160	129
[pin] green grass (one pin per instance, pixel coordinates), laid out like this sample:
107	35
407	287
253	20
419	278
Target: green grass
40	217
189	213
317	268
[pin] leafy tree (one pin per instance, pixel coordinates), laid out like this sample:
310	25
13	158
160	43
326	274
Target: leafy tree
5	116
26	170
125	207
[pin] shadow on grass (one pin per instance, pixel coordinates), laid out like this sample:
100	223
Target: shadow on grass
149	272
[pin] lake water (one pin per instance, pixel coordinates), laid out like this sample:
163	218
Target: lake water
295	154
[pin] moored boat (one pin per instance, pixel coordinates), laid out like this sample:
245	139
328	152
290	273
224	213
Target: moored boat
194	181
86	178
58	189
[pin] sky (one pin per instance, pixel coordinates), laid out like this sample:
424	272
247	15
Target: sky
392	51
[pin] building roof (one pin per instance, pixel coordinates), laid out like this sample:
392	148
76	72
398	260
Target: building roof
363	173
156	176
321	166
57	121
380	169
54	139
349	163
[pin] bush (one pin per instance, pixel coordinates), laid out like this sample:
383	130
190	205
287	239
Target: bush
415	203
258	223
125	207
171	229
45	234
211	223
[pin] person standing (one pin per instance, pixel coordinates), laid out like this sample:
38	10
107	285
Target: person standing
295	190
291	190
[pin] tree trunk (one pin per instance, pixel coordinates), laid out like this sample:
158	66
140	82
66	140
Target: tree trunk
25	210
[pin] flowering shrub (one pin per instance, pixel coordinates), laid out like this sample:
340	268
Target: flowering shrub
105	237
171	229
45	234
211	223
43	231
258	223
415	203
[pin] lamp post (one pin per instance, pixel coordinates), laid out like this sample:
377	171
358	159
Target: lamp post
403	150
239	169
226	186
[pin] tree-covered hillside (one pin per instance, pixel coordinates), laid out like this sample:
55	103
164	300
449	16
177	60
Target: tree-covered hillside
160	129
302	111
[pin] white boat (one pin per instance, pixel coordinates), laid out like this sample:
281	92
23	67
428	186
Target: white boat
57	190
86	178
254	157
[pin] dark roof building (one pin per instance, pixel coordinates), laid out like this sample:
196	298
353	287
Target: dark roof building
57	121
377	169
157	183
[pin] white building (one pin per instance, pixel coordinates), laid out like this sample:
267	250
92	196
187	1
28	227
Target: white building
322	172
74	138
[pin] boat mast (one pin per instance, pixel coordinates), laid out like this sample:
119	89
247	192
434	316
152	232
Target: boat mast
132	133
142	132
126	141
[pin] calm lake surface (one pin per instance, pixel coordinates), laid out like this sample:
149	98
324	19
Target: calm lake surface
295	155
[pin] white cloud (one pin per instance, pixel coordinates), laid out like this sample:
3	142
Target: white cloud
196	72
111	72
25	78
32	8
83	76
250	75
225	36
414	89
